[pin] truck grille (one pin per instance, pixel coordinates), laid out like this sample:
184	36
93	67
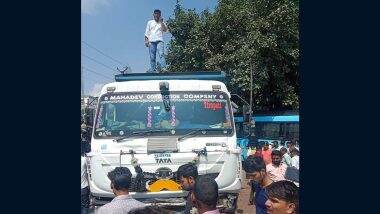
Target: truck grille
161	145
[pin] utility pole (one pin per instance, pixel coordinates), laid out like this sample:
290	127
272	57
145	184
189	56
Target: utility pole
251	92
252	125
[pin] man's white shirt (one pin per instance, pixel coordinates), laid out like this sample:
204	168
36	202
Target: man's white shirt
296	162
154	31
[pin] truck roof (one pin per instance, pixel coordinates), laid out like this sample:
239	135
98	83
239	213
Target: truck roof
200	75
174	85
184	81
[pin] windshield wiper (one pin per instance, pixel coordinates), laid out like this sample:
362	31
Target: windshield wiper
192	133
140	133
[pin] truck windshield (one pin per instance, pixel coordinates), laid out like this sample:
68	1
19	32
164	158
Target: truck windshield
120	114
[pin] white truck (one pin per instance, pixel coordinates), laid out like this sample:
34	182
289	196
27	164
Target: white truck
154	123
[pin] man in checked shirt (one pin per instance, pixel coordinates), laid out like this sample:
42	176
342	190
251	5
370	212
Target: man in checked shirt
121	179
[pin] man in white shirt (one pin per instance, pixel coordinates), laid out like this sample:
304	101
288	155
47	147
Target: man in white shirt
85	191
276	170
293	145
286	159
295	158
154	40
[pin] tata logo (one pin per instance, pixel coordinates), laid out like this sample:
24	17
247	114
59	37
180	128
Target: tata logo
163	158
213	144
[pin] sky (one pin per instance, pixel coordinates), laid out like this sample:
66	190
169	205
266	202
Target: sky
112	34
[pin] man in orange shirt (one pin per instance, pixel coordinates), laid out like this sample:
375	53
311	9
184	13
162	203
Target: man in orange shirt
267	154
258	152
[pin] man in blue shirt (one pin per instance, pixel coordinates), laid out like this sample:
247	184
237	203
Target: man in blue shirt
255	169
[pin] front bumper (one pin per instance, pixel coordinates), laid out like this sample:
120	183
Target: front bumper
96	192
226	203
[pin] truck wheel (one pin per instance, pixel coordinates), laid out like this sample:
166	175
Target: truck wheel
231	205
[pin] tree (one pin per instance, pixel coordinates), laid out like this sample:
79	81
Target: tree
238	35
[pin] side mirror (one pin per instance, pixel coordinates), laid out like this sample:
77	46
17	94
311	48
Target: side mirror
246	114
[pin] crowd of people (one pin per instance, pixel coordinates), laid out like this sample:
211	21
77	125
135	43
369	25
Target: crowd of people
272	195
289	152
202	193
273	172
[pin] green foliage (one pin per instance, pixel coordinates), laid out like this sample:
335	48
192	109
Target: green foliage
238	36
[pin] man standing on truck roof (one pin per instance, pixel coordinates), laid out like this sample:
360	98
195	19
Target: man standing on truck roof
154	40
187	174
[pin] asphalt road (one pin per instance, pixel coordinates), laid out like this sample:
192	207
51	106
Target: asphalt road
243	205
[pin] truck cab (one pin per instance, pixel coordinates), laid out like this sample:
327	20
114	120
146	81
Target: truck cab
154	123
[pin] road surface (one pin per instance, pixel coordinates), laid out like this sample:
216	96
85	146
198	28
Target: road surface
243	205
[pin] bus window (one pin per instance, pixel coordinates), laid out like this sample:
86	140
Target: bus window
277	128
268	130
